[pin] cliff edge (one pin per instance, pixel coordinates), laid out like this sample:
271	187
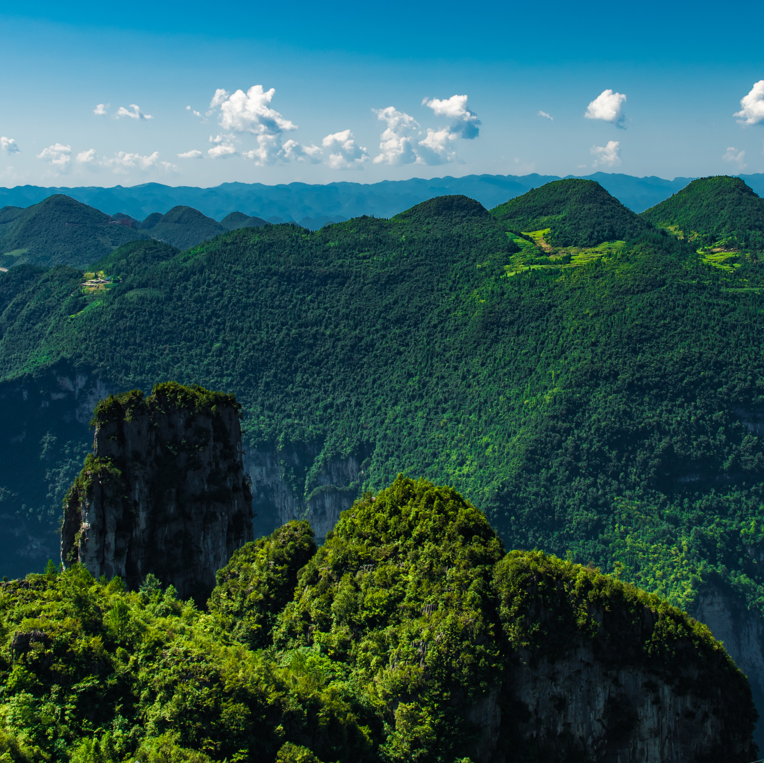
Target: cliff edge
164	491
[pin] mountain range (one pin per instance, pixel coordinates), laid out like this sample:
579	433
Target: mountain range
589	377
314	205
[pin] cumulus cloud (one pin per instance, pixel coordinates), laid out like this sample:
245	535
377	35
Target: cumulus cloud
752	111
607	106
100	110
193	154
607	156
224	146
58	156
402	142
464	123
398	141
240	113
735	158
134	112
194	112
546	116
250	112
343	152
8	146
124	161
86	157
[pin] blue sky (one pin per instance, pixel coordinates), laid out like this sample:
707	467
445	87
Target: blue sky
458	88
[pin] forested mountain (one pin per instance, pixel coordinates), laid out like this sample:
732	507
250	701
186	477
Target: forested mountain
182	227
60	230
577	213
600	401
716	212
297	201
410	635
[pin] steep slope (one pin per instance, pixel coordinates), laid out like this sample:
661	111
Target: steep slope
60	230
163	492
576	213
612	410
183	227
713	212
408	636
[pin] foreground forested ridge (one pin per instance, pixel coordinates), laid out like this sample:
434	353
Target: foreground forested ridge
408	636
604	401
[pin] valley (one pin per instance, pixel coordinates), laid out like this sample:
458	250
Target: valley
588	377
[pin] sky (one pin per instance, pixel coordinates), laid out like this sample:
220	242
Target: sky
202	94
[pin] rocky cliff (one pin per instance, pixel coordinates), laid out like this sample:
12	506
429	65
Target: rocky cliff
164	491
602	671
300	482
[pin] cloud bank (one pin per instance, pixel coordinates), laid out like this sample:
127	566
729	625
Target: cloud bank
343	152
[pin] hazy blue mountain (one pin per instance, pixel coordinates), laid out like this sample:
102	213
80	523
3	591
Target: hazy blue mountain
297	201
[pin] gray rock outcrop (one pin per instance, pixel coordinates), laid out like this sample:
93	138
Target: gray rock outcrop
164	491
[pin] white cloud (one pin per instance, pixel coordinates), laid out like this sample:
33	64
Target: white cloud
250	112
343	152
401	142
123	162
136	112
436	147
607	106
606	156
546	116
752	111
8	146
398	140
193	154
464	122
194	112
86	157
224	146
58	156
294	151
736	158
100	110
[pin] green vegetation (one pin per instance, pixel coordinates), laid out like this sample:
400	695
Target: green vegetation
575	213
59	230
182	227
372	648
239	220
714	212
612	409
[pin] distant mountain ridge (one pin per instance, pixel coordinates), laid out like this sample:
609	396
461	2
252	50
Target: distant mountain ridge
297	201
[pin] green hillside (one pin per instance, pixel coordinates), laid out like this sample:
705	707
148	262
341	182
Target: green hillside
239	220
721	216
611	410
183	227
374	648
570	213
59	230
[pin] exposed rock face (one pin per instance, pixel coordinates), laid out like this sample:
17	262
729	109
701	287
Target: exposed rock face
289	484
603	672
164	492
742	633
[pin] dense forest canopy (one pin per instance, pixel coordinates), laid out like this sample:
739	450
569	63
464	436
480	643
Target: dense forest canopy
715	211
609	408
578	213
59	230
372	648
